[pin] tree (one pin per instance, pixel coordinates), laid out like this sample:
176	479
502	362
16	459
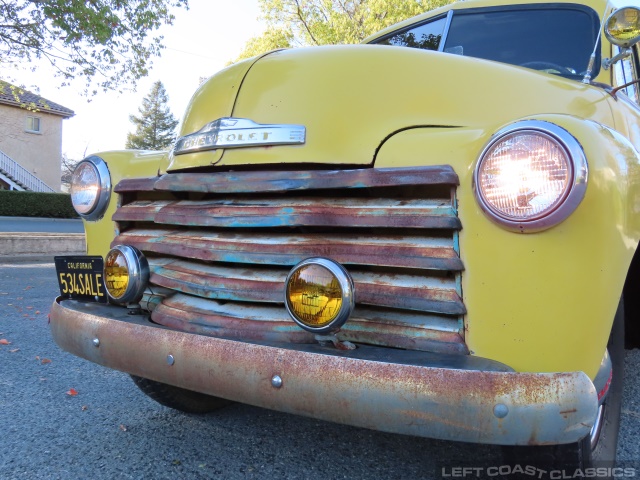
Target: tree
67	167
155	127
108	43
294	23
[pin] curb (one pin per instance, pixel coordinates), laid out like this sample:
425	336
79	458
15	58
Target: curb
48	244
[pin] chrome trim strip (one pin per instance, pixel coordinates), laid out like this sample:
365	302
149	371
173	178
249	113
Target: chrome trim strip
576	190
230	132
430	397
445	31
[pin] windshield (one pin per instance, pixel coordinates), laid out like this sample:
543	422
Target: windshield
554	38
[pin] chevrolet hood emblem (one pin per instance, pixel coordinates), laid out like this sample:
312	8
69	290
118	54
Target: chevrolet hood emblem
230	132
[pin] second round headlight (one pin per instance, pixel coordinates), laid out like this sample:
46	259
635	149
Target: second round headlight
90	188
531	176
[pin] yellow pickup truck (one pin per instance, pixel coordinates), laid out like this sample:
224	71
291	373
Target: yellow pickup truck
432	233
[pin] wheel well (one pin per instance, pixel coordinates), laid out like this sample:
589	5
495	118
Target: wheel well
632	304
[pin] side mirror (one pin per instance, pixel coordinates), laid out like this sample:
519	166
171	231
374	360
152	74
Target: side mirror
622	28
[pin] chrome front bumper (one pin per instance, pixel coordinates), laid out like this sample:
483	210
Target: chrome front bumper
449	397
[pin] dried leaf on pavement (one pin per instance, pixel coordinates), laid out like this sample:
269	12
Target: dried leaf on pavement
4	341
45	361
72	392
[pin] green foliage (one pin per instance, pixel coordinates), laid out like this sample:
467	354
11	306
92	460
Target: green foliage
35	204
292	23
155	127
109	43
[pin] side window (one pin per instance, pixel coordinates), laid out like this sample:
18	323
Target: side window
626	71
33	125
426	36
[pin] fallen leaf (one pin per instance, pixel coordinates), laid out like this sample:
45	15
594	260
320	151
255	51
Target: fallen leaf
14	350
177	462
28	288
84	408
37	312
4	341
45	361
72	392
19	298
37	357
25	315
29	308
123	428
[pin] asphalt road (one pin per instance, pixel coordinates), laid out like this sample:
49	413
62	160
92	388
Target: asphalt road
110	430
51	225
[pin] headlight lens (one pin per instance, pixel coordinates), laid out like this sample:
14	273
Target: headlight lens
319	295
531	176
126	274
90	188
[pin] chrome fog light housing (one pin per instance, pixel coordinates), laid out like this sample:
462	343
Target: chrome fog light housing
126	274
90	188
531	176
319	295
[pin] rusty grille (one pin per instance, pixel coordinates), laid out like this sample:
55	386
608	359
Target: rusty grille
220	245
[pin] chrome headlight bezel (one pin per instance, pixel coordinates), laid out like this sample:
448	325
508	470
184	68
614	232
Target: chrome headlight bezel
138	274
101	201
572	195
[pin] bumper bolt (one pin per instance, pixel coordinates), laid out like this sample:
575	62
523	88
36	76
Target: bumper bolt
96	342
170	359
500	410
276	381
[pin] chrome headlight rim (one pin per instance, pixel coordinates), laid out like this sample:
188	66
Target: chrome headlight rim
573	194
104	195
347	289
138	268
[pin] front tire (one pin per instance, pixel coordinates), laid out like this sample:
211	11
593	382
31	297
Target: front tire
178	398
599	448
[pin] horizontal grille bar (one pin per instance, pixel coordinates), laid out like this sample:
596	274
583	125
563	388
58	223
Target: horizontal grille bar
271	323
430	253
282	181
267	285
294	212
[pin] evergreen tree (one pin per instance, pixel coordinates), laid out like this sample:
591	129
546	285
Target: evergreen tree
155	127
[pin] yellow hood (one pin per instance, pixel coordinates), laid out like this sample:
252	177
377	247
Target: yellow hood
352	98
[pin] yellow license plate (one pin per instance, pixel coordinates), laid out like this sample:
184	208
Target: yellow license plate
81	278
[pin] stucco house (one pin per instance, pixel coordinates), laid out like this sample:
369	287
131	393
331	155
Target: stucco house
30	140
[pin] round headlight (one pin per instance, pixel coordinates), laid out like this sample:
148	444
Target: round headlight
90	188
531	176
126	274
319	295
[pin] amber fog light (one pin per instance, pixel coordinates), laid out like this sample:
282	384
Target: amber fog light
319	295
531	176
126	274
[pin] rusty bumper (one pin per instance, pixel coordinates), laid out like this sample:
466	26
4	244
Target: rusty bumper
455	397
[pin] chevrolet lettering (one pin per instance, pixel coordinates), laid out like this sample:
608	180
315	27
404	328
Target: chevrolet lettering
239	132
434	233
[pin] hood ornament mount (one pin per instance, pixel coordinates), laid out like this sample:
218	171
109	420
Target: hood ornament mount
229	132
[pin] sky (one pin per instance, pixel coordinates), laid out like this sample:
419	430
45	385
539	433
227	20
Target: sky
201	41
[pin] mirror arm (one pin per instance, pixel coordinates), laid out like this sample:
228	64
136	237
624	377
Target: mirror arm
607	62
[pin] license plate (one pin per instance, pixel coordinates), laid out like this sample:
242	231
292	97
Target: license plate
81	278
